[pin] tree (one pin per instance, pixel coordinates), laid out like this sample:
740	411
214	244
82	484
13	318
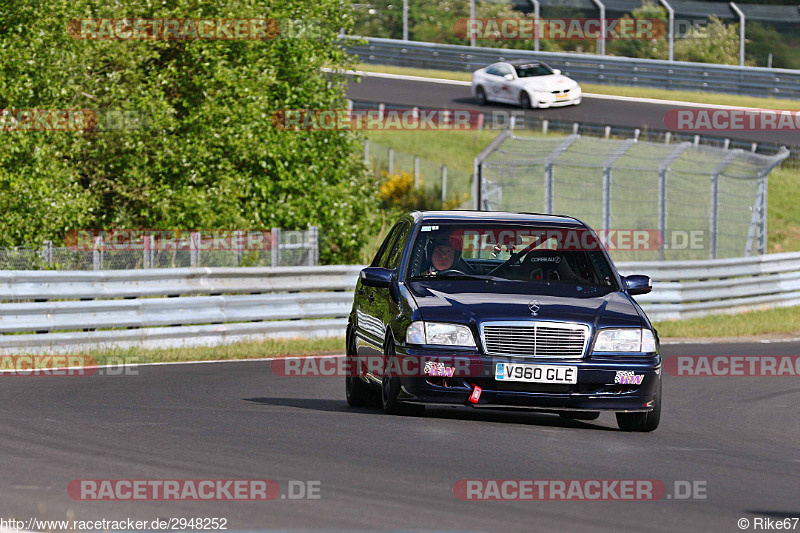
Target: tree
209	156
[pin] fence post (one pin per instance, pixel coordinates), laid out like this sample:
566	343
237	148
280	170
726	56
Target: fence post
49	253
663	168
391	161
713	217
194	249
444	185
146	252
97	253
416	171
313	245
545	123
275	233
238	240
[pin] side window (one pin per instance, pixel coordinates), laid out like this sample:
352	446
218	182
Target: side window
386	247
493	71
396	254
502	70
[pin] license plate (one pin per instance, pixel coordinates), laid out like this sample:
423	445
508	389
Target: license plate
562	95
536	373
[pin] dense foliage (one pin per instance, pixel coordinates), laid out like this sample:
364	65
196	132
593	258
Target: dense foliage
202	152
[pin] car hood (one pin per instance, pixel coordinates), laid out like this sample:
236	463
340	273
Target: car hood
553	82
472	302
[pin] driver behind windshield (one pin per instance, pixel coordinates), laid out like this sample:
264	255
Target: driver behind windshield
442	255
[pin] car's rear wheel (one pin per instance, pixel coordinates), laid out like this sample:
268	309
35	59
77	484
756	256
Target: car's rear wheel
390	389
525	101
358	392
579	415
480	93
642	421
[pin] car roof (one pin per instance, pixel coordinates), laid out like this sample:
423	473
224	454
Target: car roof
496	217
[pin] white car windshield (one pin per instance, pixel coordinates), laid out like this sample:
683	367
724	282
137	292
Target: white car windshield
533	69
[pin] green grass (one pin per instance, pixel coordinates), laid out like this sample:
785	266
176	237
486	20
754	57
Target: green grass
614	90
783	215
784	320
243	350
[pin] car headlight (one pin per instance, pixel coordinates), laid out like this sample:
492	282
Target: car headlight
439	333
625	340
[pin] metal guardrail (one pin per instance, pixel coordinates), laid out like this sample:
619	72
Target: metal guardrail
589	68
62	311
76	311
685	289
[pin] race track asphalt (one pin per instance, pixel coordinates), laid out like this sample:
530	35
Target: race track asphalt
737	436
591	110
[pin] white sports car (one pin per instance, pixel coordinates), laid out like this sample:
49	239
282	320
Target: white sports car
525	83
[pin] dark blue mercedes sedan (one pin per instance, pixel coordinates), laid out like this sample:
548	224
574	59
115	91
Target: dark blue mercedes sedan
506	311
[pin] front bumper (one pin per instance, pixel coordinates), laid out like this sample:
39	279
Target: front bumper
595	389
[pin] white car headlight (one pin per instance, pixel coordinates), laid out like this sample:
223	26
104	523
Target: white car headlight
439	333
625	340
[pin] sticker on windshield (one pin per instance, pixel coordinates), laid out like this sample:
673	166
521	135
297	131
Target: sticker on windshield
429	228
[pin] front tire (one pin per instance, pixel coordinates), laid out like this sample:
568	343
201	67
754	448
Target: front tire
357	392
525	101
390	390
642	421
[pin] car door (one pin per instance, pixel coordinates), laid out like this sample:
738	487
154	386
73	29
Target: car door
387	305
370	330
492	79
506	90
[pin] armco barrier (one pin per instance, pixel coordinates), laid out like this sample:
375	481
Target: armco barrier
68	311
589	68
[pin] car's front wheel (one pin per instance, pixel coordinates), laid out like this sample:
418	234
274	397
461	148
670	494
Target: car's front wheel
390	389
358	392
480	94
525	100
642	421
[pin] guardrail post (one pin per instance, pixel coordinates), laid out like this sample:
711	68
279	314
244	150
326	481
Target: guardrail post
275	250
313	245
545	124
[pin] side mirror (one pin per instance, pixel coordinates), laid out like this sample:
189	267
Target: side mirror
376	277
509	77
638	284
556	71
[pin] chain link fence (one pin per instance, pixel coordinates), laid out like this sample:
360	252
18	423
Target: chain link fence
278	248
703	202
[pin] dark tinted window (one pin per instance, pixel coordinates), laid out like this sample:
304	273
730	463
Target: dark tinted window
386	247
396	254
534	69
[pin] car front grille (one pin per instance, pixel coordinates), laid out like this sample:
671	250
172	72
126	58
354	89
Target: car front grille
535	338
